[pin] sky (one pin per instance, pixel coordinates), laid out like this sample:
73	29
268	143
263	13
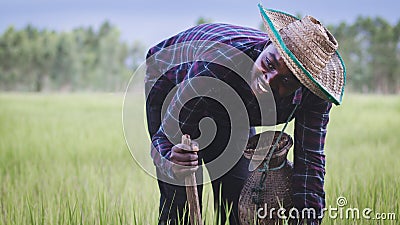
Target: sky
150	21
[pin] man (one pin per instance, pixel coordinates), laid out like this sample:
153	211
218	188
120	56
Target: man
295	63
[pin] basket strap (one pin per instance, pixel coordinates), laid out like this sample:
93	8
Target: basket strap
258	199
274	168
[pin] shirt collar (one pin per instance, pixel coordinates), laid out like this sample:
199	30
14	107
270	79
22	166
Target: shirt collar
298	94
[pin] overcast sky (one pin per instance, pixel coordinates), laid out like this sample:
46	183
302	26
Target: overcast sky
151	21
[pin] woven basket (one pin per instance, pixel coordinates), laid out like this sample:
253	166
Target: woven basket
277	187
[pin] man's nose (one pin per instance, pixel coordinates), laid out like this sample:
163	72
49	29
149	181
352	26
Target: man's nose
269	77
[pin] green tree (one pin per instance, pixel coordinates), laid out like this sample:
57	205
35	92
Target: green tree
203	20
67	66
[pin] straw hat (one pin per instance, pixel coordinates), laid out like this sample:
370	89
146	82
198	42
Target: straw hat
310	52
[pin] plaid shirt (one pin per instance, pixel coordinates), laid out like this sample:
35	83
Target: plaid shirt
311	117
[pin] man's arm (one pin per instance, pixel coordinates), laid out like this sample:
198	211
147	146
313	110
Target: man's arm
309	158
182	117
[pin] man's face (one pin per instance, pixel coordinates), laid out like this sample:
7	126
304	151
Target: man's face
270	70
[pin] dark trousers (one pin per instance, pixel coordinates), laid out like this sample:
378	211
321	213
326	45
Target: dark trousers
226	190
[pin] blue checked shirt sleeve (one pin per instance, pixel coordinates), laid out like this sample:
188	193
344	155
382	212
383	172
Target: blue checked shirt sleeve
309	159
187	108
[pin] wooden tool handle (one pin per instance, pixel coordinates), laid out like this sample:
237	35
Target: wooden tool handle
191	189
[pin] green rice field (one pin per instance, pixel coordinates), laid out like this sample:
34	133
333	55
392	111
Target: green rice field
64	160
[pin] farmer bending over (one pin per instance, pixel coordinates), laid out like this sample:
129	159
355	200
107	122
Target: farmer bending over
295	63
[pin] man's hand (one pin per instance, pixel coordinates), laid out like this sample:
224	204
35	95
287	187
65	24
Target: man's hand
185	161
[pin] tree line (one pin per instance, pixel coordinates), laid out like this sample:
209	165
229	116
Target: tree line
85	59
370	48
82	59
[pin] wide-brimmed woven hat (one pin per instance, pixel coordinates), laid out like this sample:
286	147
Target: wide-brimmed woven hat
310	52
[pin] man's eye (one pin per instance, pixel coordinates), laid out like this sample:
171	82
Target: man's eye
269	64
285	80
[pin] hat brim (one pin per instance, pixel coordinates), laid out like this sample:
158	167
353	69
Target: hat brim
329	84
